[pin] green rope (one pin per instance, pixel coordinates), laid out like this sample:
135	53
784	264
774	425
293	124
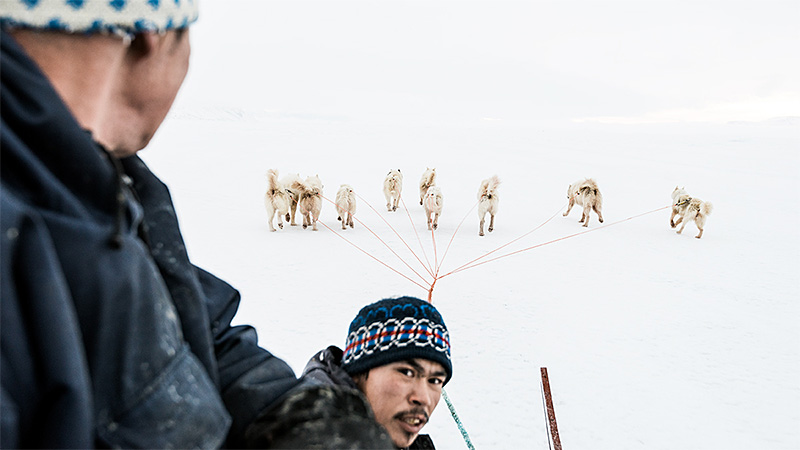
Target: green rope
458	421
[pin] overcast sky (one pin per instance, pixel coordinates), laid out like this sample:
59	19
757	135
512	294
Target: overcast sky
572	60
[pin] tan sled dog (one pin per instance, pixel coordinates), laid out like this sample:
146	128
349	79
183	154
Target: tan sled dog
294	195
586	194
392	188
433	206
488	201
428	179
346	205
276	200
309	201
688	209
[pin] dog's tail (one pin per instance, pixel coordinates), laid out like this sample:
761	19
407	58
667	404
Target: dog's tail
273	184
488	185
494	182
429	178
706	208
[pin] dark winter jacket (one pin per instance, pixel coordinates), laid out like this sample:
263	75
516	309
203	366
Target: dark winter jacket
325	368
110	336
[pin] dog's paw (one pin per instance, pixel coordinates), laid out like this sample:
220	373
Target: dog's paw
480	233
491	229
435	226
280	225
601	220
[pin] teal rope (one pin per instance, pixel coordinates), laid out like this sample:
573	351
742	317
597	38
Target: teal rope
458	421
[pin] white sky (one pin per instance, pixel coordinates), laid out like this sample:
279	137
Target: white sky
608	61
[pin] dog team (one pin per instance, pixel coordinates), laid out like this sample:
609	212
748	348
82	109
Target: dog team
285	196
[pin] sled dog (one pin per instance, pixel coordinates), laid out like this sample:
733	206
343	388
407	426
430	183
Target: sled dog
428	179
346	205
488	201
294	195
309	200
585	193
433	206
688	209
392	188
276	200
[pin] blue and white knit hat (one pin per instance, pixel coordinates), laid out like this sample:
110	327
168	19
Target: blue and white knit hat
95	16
396	329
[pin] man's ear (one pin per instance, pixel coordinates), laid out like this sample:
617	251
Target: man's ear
360	379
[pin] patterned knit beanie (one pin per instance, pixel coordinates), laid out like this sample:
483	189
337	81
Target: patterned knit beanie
396	329
124	17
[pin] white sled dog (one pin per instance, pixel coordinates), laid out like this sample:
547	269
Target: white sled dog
294	195
392	188
276	200
309	199
433	206
585	193
346	205
428	179
488	201
689	209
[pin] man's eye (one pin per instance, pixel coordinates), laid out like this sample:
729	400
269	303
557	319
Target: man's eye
406	372
436	381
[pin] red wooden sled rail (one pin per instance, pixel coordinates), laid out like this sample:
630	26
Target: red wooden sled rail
551	412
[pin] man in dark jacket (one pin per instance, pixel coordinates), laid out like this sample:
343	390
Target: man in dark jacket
398	354
110	336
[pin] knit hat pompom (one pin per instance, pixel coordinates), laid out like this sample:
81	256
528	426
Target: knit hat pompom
396	329
99	16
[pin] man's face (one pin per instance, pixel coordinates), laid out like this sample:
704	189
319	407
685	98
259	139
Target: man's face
403	395
150	85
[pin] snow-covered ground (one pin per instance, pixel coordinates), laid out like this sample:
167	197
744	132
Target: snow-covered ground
652	340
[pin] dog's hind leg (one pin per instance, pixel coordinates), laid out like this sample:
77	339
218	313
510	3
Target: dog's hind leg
388	197
585	216
314	218
700	221
293	210
280	218
599	214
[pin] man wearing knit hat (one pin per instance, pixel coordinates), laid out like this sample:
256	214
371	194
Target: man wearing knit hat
110	336
398	355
